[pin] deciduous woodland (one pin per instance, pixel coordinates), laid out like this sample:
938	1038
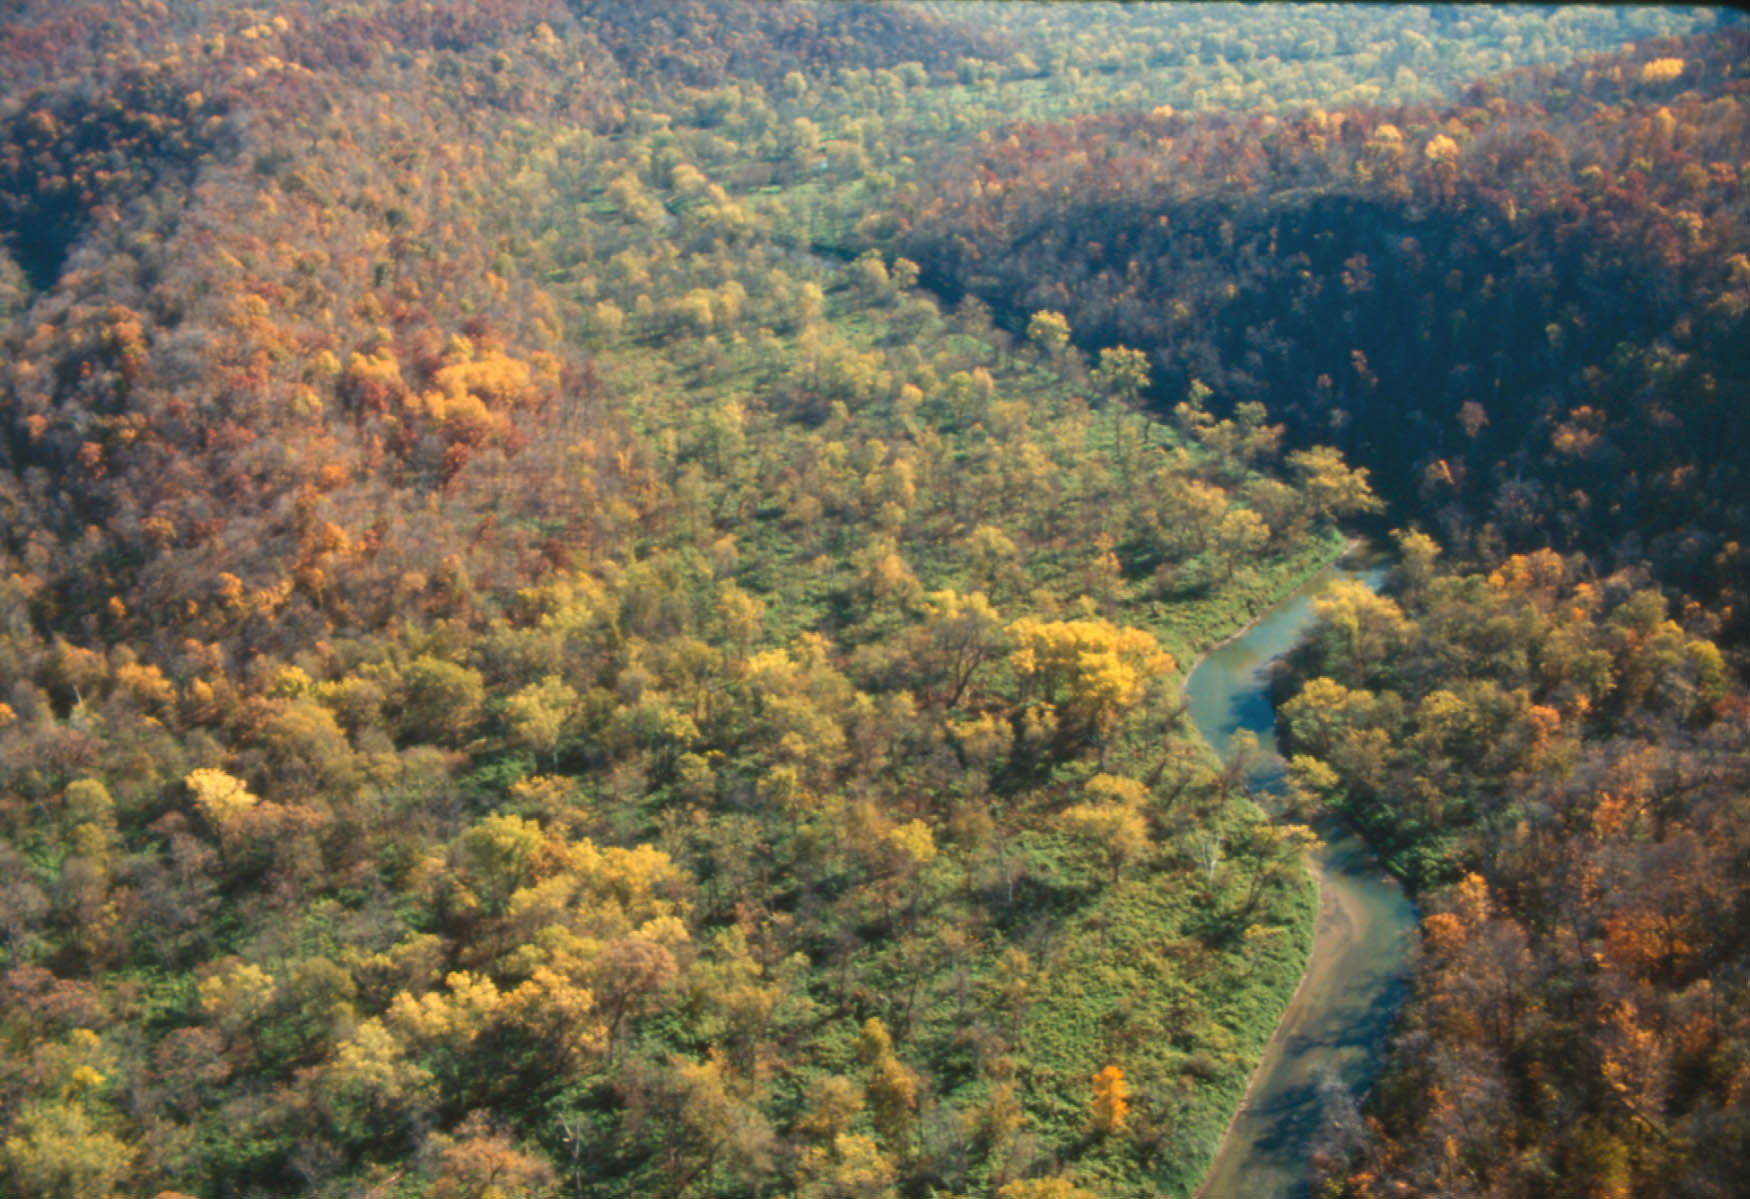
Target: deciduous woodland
593	594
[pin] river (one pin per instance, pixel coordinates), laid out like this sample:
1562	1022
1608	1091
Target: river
1331	1037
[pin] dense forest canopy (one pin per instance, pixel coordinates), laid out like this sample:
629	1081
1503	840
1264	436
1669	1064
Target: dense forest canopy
593	595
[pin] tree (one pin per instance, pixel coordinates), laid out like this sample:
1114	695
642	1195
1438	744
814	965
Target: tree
369	1084
496	858
1090	671
869	275
305	749
1049	331
1319	717
477	1161
444	699
629	974
1357	630
1239	536
56	1150
1123	373
1043	1188
1416	554
1274	850
892	1088
704	1131
1113	825
960	633
853	1167
1111	1099
831	1103
1332	489
236	998
219	797
537	714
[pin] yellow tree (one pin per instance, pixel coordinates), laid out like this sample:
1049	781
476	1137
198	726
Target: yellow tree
892	1087
832	1102
1043	1188
1049	331
1123	373
1111	1099
368	1084
64	1146
852	1168
1240	535
1089	672
1331	488
1357	630
494	859
236	997
57	1151
1323	712
223	800
1113	823
538	713
713	1136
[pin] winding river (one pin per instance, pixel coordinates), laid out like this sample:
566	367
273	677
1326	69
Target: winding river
1331	1036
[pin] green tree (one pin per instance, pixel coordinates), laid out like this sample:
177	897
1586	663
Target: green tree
496	858
444	700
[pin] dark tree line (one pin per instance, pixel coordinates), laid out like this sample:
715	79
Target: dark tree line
1527	321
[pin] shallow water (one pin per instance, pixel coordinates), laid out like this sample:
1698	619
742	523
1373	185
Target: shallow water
1331	1040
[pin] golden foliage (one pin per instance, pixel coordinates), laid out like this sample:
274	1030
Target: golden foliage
1662	70
1111	1099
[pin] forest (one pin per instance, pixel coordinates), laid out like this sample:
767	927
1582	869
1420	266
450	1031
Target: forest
594	594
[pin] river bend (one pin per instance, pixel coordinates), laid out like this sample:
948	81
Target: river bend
1330	1041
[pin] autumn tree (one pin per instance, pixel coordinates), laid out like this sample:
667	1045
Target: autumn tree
1111	822
959	634
1091	672
1111	1101
1043	1188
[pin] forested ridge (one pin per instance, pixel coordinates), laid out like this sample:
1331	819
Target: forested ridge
536	658
1524	311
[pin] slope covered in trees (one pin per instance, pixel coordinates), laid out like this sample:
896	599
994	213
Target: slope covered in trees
1523	311
1561	769
522	672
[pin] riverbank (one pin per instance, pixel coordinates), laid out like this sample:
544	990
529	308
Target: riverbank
1191	629
1325	1042
1330	1040
1328	562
